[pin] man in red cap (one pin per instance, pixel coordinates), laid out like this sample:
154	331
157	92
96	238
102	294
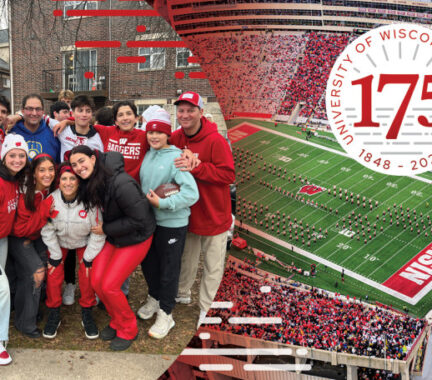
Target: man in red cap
209	160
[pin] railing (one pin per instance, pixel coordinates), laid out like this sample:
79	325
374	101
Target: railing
75	79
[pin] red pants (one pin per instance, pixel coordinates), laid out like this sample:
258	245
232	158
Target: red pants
110	269
56	278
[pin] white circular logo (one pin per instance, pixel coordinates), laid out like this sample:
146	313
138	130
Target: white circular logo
379	99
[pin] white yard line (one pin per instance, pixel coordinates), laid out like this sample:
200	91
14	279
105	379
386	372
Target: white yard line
410	300
312	144
330	264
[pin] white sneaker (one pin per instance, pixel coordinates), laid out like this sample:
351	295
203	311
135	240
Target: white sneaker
164	323
5	358
185	300
69	294
149	308
201	318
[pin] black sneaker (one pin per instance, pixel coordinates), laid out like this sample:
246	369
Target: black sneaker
108	333
90	328
32	334
120	344
53	323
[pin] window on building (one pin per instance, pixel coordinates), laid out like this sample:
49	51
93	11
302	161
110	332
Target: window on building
155	58
75	64
182	55
69	5
142	107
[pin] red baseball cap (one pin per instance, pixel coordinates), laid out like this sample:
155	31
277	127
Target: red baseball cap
192	98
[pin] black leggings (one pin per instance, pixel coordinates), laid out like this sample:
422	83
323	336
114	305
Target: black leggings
69	267
24	259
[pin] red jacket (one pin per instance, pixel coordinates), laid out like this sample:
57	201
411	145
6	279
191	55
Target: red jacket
29	223
132	145
8	204
211	215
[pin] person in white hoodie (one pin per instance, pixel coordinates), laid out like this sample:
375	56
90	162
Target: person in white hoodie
71	229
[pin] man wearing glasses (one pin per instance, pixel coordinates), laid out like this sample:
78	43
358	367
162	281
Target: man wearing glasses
39	137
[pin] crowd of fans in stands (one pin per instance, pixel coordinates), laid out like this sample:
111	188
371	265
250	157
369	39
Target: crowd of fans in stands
248	72
314	318
269	73
376	374
310	81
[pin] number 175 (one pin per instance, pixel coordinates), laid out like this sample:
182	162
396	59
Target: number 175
384	79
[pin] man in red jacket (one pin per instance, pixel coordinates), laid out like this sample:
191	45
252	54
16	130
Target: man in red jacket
210	218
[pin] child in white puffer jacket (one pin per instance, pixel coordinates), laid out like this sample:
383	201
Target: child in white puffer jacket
71	229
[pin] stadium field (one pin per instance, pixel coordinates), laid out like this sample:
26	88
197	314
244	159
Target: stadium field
305	198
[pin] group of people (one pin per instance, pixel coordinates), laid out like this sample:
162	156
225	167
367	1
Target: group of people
313	318
71	187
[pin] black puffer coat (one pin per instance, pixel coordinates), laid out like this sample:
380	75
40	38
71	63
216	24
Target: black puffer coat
128	218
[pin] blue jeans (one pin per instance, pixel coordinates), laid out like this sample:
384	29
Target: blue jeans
4	292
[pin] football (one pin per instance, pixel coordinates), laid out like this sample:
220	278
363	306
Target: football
166	190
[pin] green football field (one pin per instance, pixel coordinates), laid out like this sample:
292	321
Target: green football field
368	223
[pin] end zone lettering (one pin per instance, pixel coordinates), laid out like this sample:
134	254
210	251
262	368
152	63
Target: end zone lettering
414	275
240	132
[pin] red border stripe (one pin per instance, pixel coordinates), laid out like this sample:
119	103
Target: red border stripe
197	75
97	44
254	114
131	59
161	44
111	12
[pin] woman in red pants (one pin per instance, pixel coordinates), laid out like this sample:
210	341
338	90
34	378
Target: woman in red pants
128	224
71	228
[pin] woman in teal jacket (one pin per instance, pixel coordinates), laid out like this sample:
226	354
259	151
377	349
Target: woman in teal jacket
161	267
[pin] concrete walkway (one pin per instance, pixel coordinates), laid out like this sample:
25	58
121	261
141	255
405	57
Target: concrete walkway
55	364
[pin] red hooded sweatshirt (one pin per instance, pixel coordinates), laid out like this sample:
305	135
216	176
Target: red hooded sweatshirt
211	215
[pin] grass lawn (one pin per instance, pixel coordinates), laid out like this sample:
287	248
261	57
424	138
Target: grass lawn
70	335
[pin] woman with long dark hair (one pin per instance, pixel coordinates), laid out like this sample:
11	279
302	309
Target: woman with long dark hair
13	166
27	252
128	224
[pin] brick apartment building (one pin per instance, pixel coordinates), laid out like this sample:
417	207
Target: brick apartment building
4	63
45	58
